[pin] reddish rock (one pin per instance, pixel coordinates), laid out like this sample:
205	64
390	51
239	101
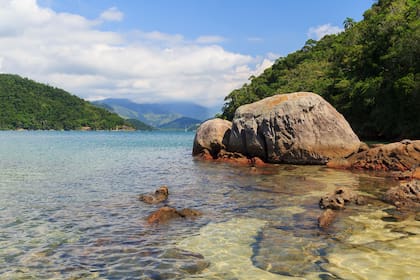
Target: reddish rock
326	218
162	215
406	196
166	213
416	173
399	156
160	195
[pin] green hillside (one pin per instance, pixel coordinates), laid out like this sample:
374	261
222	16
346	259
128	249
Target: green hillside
369	72
139	125
25	104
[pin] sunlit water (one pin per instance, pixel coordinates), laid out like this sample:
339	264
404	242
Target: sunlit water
69	210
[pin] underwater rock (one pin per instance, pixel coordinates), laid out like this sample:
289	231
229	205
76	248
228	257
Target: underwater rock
326	218
160	195
186	261
406	196
166	213
339	198
228	246
376	248
287	254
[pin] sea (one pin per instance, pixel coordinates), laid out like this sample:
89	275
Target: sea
69	209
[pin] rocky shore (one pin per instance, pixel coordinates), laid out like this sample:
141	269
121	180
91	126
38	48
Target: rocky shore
300	128
303	128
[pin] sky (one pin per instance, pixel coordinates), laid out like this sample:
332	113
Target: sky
153	51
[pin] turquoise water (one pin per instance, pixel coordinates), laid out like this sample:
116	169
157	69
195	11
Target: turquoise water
69	210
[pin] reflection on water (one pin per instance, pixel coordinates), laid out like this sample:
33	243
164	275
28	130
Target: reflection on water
69	210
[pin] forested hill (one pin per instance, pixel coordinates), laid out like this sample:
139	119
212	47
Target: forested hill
25	104
369	72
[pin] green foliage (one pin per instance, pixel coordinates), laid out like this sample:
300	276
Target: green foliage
369	72
25	104
139	125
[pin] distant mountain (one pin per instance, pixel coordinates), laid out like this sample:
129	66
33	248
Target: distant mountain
158	114
183	123
26	104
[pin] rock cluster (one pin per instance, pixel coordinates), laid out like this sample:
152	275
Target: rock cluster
165	213
339	198
334	201
298	128
405	197
160	195
398	156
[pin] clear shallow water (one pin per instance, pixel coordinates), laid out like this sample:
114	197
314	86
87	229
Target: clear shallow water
69	210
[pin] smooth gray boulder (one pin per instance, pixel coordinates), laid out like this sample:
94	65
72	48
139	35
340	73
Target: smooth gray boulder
298	128
211	137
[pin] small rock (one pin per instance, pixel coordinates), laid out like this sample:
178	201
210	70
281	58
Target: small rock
163	215
160	195
338	199
326	218
167	213
189	213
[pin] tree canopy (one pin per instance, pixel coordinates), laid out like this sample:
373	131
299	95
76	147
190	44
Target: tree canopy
369	72
27	104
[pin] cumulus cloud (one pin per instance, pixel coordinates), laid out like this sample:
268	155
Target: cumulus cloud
70	51
320	31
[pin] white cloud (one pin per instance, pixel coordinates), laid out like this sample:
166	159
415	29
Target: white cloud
71	52
112	14
322	30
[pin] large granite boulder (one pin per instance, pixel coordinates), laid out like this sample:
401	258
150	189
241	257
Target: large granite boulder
398	156
299	128
211	137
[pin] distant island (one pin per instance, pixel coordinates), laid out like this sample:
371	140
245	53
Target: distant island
369	73
26	104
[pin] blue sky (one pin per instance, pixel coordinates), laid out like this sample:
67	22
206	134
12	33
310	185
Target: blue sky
155	50
248	26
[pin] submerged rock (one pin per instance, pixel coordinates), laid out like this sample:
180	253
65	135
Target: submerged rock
406	196
336	200
160	195
298	128
166	213
228	246
326	218
339	198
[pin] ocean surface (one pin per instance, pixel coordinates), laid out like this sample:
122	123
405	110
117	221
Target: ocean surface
69	209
